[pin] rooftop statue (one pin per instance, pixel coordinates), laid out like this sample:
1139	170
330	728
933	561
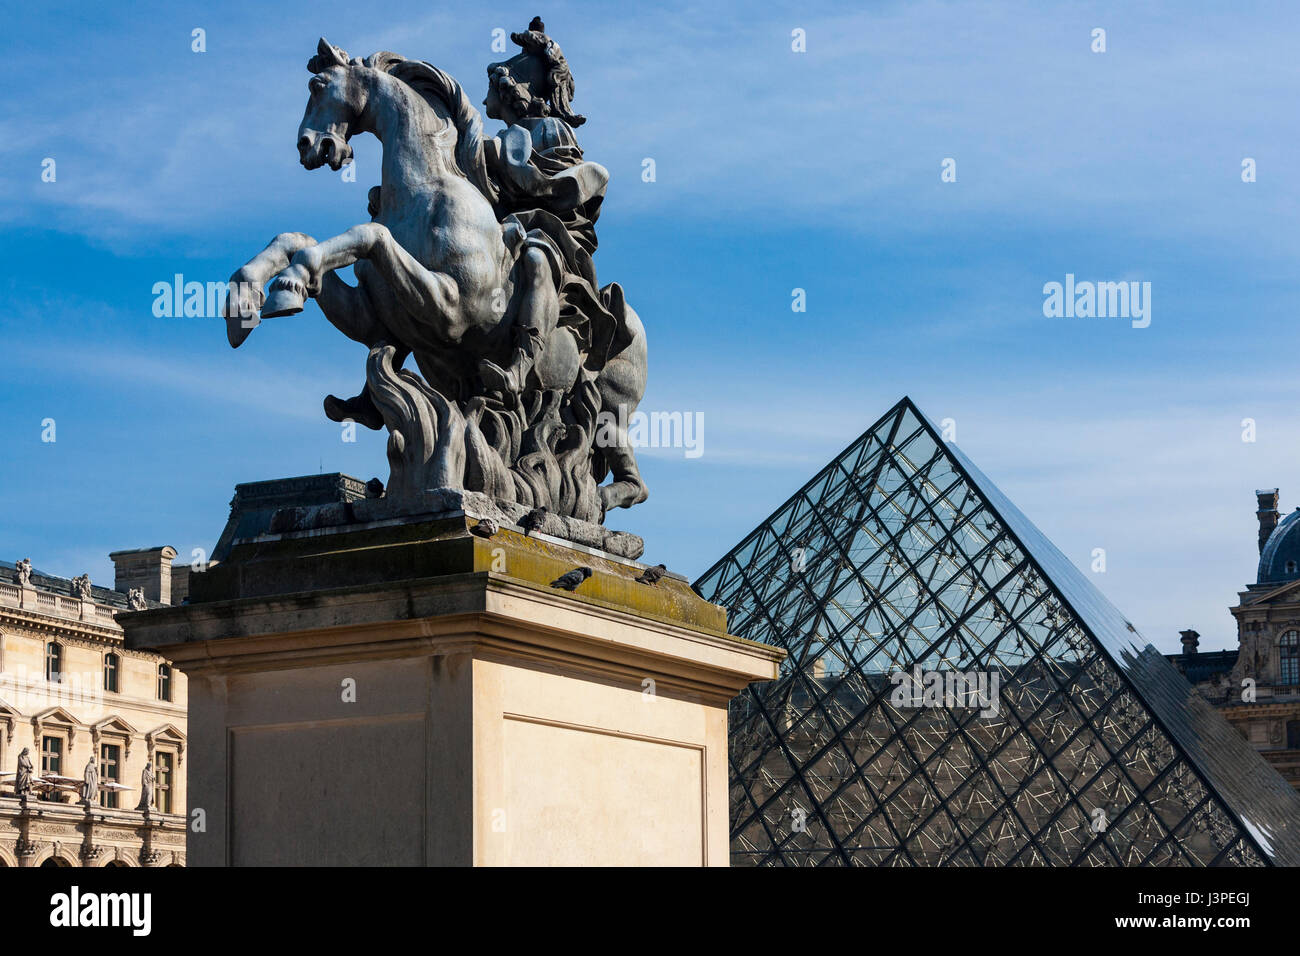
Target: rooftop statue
477	264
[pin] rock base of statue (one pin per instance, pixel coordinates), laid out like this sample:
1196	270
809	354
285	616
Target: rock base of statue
416	693
454	502
536	453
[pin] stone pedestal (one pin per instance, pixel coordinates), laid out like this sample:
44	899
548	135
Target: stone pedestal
410	693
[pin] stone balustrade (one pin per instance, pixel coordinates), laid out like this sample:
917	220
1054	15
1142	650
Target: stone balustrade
57	605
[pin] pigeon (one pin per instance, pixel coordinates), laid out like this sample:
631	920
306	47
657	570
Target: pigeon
572	579
486	528
652	575
531	520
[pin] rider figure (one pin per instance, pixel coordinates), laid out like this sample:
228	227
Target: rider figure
542	182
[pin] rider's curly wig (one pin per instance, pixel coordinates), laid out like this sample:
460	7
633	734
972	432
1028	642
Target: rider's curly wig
559	80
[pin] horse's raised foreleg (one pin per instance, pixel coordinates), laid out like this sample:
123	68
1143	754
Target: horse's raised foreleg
421	291
245	295
348	309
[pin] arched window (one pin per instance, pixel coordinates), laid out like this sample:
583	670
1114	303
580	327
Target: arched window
53	662
164	682
1289	648
112	664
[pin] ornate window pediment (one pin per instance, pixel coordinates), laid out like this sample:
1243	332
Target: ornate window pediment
169	737
113	729
54	717
55	732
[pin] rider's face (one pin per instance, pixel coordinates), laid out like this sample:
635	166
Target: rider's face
510	86
492	102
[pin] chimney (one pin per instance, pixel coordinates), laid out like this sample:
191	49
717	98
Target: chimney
1191	640
149	569
180	583
1267	514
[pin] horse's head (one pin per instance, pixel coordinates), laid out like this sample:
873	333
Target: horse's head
386	91
338	97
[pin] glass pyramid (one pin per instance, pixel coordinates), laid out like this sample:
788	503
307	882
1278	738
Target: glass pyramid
900	561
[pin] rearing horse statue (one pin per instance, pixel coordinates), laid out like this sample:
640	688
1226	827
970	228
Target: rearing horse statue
441	278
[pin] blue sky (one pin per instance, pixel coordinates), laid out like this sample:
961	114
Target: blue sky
775	170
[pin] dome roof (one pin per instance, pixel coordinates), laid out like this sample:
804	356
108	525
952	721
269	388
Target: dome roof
1279	562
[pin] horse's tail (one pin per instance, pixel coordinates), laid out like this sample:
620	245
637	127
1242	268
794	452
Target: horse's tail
431	81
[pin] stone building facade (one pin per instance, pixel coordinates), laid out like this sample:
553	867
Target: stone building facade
1257	686
70	689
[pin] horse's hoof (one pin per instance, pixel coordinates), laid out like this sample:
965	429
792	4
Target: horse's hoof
286	298
238	329
282	303
360	410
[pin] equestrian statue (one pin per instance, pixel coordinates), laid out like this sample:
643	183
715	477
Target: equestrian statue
476	264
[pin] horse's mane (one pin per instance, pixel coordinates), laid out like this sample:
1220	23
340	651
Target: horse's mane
433	84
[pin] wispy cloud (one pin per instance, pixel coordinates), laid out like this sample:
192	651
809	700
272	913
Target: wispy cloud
773	169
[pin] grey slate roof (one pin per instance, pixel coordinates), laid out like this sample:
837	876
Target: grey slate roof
1282	547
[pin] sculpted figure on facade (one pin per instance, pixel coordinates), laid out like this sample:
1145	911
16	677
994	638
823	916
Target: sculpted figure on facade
135	599
146	787
476	264
23	779
1254	660
23	573
81	586
90	784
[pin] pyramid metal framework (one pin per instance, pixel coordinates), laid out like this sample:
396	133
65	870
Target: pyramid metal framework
901	558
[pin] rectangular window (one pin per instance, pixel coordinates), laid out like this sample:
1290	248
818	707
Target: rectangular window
51	760
110	673
164	682
110	771
1290	666
162	783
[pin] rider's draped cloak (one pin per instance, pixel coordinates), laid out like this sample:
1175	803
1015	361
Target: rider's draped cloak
554	195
